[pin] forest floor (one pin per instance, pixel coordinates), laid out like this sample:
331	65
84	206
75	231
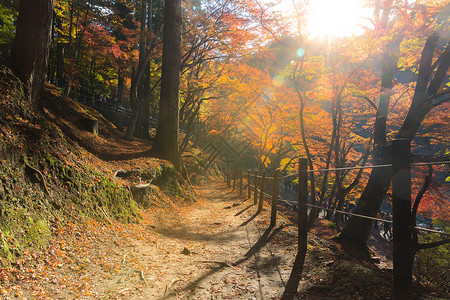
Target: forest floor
215	248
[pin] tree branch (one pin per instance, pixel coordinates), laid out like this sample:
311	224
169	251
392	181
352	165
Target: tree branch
433	244
426	185
441	99
441	71
372	103
261	21
425	64
429	158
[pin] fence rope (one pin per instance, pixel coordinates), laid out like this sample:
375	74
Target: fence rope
445	162
430	230
353	214
259	177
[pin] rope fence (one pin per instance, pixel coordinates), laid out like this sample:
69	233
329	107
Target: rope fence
368	167
352	214
257	190
403	217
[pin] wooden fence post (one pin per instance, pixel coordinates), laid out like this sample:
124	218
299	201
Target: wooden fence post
234	179
261	189
401	219
240	181
255	192
273	212
302	210
249	186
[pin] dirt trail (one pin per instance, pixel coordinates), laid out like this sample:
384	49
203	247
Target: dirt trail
215	248
222	257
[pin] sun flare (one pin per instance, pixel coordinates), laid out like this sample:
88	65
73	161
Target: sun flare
332	18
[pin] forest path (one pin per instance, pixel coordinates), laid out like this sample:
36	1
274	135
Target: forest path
225	251
215	248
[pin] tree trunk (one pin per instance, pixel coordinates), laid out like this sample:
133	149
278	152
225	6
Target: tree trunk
51	64
134	104
145	125
143	121
166	141
81	34
425	94
120	88
31	46
139	88
358	229
60	65
69	45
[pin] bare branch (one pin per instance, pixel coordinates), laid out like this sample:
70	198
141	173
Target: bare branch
426	185
441	72
433	244
397	100
261	21
441	99
425	64
371	102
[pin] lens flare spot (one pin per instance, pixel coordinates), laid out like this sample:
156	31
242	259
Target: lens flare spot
300	52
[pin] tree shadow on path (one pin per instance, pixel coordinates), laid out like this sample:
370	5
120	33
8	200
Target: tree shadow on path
249	220
265	237
290	291
191	286
242	211
262	241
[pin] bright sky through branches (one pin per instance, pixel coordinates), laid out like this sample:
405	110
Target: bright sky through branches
333	18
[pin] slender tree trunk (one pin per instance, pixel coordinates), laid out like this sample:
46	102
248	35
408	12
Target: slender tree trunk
69	45
166	141
145	126
31	46
140	89
52	63
60	64
143	121
92	74
81	34
358	229
120	87
134	103
146	106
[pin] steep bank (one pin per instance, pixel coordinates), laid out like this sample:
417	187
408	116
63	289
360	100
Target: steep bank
56	168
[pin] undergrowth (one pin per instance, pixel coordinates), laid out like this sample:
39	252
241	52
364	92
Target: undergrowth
433	265
43	177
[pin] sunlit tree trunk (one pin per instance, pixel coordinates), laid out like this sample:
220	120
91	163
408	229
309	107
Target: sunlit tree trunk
31	46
